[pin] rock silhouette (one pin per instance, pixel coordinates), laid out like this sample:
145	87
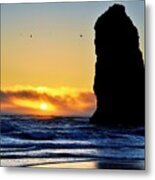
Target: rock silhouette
119	74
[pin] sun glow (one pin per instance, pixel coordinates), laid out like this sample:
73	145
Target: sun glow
48	101
43	106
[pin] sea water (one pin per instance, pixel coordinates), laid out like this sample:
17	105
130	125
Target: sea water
28	140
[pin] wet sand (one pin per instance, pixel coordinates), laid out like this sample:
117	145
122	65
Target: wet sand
107	164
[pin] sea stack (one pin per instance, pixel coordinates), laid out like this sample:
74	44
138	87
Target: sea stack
119	83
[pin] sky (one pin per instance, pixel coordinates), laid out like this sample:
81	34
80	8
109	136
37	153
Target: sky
48	55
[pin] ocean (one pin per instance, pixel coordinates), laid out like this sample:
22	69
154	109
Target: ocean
69	142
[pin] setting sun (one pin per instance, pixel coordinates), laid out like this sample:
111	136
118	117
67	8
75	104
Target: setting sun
43	106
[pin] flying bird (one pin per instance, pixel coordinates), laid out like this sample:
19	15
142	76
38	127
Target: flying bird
81	35
30	35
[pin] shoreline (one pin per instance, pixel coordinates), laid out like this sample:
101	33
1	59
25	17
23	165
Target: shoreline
76	164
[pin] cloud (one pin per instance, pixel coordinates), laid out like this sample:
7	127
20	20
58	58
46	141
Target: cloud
71	103
7	96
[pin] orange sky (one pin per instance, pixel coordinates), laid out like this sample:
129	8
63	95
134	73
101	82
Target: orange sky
45	101
47	67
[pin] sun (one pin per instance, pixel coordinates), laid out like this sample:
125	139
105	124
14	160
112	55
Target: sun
43	106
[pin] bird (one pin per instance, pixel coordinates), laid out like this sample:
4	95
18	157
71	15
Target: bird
30	35
81	35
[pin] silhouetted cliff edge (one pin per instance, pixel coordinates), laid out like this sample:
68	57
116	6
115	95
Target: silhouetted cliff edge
119	74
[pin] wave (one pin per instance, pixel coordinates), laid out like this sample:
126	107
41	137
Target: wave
67	137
